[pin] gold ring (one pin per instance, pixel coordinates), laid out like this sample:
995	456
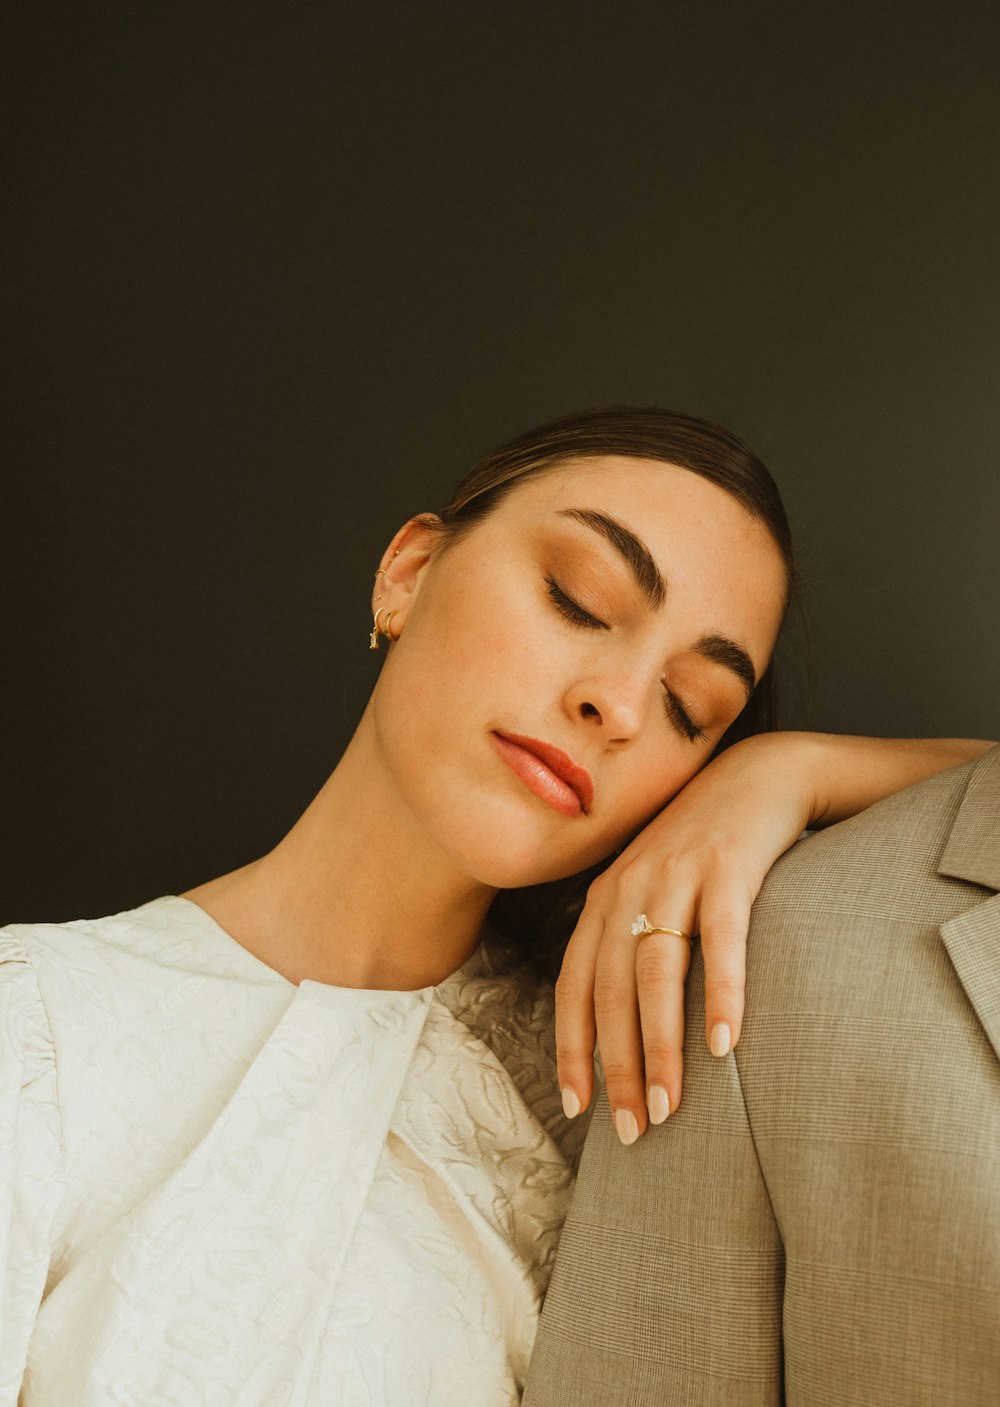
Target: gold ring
641	926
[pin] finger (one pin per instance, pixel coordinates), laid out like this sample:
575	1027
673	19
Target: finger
616	1008
576	1029
724	921
661	965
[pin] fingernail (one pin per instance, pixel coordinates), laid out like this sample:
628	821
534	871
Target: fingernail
627	1126
658	1104
719	1040
571	1104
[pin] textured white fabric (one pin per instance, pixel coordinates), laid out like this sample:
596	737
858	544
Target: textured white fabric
217	1187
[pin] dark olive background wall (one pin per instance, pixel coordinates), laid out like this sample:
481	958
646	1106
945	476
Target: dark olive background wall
276	275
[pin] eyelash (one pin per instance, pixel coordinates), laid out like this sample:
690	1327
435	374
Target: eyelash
677	715
571	609
573	612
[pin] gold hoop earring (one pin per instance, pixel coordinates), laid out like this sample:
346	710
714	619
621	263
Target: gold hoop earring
376	630
388	633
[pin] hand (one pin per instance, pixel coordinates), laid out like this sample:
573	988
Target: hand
697	866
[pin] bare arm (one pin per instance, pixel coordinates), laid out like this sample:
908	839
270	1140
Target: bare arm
850	774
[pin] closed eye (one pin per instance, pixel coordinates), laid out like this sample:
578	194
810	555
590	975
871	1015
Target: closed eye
572	610
680	718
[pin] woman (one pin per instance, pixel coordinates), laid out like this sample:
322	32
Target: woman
294	1136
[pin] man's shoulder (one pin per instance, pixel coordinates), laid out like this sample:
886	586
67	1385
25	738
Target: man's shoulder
883	858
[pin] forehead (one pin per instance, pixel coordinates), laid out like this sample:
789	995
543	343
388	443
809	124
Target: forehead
654	496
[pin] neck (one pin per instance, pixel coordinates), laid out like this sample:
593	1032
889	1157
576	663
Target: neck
356	894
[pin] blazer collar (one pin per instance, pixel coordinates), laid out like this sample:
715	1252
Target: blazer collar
972	851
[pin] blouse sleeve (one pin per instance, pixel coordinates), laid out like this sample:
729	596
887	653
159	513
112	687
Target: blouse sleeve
31	1164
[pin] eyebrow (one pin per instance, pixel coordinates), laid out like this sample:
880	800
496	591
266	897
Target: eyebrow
721	650
631	549
639	560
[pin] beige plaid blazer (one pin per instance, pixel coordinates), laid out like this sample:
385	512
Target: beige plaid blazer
819	1222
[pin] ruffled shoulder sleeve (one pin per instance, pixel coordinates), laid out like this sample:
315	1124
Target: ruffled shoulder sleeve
31	1161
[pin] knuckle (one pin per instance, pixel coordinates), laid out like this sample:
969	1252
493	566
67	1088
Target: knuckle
704	859
620	1077
571	988
658	985
679	867
661	1050
726	928
597	892
717	859
727	990
573	1054
629	868
658	968
573	1073
610	997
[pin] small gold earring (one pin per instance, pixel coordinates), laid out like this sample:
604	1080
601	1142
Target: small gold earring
376	629
373	637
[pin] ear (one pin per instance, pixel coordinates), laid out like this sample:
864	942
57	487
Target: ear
403	565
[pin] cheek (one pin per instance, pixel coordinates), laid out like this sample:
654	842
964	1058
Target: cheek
464	664
643	784
495	649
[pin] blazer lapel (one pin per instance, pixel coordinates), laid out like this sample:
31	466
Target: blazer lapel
972	853
973	943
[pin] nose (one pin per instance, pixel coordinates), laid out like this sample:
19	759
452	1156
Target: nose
617	705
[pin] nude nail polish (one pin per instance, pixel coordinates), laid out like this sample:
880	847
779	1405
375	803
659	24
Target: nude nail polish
627	1125
720	1039
571	1104
658	1104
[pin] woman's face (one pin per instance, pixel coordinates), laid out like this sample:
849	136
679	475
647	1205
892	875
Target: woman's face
600	623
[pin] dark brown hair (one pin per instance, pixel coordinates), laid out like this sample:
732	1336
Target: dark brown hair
533	924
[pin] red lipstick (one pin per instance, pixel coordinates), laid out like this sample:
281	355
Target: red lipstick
548	771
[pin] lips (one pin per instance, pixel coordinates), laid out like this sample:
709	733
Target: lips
559	780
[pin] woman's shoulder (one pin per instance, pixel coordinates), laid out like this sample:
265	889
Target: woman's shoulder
137	930
162	940
63	984
25	1033
32	1170
107	985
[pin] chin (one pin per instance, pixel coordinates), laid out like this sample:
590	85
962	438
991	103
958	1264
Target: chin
509	863
506	841
506	869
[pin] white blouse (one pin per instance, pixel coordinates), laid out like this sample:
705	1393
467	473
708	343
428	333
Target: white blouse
218	1187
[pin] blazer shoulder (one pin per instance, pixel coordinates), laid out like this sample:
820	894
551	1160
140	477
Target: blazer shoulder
883	856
